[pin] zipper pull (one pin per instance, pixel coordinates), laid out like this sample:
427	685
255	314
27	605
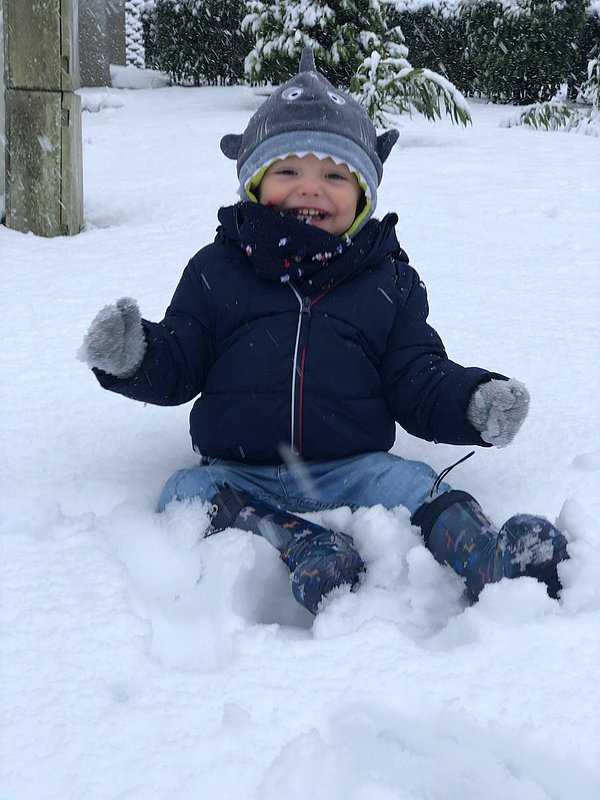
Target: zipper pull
306	305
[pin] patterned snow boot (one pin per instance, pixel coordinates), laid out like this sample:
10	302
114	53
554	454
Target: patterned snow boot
318	559
458	533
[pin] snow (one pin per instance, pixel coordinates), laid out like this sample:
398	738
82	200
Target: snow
414	6
142	662
520	7
132	77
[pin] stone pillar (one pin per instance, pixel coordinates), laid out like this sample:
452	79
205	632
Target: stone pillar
93	43
115	19
2	134
44	192
101	39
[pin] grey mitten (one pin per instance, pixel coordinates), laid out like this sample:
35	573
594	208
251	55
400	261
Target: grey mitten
497	409
115	341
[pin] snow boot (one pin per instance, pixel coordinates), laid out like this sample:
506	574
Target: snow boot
458	533
318	559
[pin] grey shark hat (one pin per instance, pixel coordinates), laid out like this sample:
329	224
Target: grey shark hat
309	115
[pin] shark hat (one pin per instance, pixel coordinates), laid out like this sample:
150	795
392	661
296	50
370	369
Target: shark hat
308	115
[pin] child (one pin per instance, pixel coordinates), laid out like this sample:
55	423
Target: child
305	330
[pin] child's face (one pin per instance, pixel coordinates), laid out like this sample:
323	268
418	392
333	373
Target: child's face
319	191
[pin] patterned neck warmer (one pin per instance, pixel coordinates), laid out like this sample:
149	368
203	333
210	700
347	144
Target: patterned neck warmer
284	249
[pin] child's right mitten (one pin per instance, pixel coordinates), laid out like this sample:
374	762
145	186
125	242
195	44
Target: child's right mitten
115	341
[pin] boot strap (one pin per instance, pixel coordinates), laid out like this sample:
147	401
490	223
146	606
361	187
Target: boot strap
426	515
225	507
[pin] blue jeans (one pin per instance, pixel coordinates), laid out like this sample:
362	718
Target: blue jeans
367	480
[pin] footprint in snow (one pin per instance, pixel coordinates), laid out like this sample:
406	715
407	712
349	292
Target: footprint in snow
587	462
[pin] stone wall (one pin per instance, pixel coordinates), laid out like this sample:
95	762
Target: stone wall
2	115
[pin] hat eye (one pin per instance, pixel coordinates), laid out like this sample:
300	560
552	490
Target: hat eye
293	93
336	98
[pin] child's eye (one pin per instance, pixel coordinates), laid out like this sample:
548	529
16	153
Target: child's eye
337	176
286	171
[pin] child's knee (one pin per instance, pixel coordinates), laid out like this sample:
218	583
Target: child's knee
401	468
423	473
408	483
378	463
185	484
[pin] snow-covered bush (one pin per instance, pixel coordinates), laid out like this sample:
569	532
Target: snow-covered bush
577	107
196	42
134	40
521	51
587	49
281	29
388	85
355	47
590	91
582	116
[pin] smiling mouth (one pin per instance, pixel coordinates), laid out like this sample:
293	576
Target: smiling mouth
308	215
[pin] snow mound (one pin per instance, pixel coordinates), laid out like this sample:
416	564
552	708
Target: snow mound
95	100
131	77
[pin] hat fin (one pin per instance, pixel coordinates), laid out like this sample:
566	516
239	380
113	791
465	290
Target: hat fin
385	142
307	61
231	144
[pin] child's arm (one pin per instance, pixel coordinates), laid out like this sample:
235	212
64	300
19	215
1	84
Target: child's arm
164	363
426	392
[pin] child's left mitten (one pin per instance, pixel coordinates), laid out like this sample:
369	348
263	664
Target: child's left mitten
497	409
115	341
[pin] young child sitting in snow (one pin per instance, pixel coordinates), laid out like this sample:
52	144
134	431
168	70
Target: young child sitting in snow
304	331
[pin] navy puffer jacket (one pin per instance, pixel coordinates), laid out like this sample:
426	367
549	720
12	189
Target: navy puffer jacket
279	365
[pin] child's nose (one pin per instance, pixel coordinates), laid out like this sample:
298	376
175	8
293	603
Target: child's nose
310	186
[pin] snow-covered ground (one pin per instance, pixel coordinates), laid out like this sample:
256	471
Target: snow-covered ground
141	663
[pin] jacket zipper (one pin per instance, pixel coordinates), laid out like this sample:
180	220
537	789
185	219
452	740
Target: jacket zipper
300	348
298	371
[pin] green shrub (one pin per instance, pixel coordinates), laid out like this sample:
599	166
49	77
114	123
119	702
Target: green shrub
436	38
587	48
521	51
196	42
518	51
